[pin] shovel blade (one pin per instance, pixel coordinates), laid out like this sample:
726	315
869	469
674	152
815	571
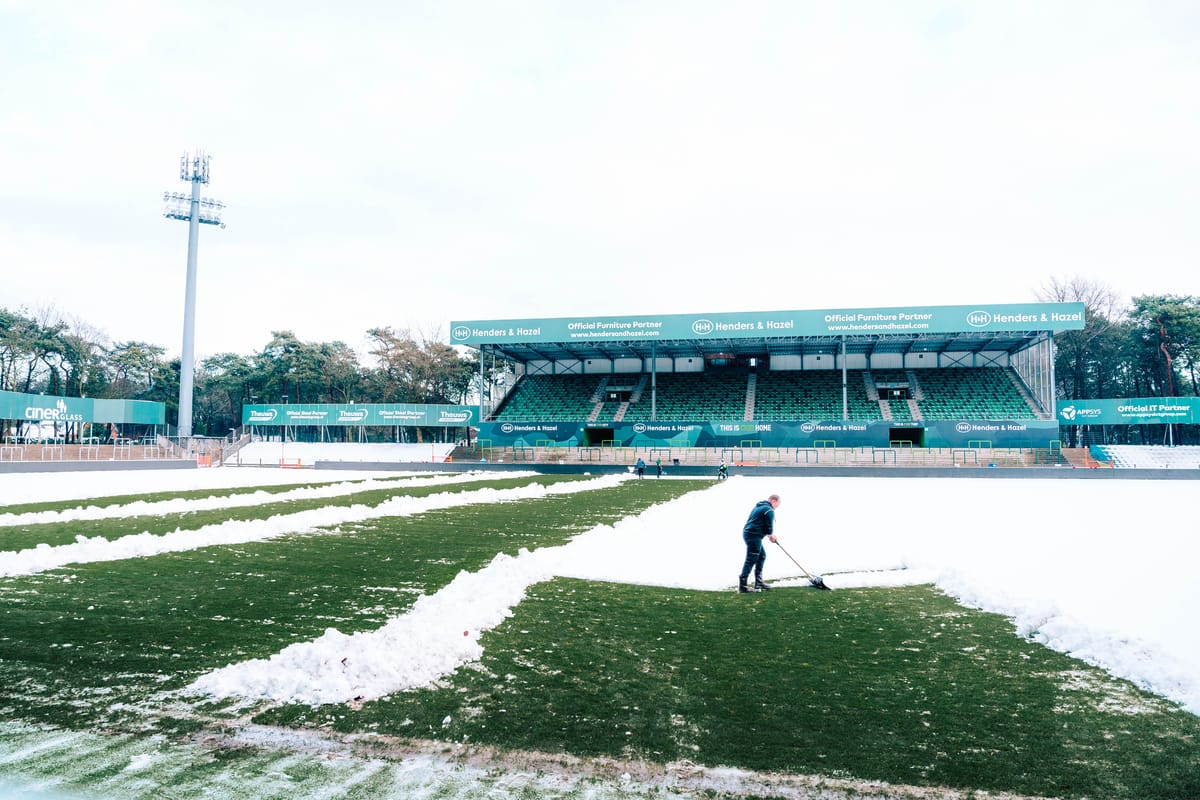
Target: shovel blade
818	582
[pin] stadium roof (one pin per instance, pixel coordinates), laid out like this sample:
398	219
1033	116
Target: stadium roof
965	342
864	331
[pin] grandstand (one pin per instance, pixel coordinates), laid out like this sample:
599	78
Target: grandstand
555	397
931	377
1145	457
983	393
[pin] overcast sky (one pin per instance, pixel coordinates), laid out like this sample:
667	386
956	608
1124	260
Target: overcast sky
408	164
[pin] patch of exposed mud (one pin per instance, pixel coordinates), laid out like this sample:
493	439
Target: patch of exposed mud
632	777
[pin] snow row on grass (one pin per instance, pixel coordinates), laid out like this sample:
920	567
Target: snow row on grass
439	634
181	505
96	548
45	487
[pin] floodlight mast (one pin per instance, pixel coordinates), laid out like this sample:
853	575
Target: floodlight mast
196	210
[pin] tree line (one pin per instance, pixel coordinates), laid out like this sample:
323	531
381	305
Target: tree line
51	354
1149	347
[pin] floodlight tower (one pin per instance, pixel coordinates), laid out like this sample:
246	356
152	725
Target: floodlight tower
196	210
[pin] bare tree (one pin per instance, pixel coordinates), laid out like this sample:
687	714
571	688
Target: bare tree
1079	368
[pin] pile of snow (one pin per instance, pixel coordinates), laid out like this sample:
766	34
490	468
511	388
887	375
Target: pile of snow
437	636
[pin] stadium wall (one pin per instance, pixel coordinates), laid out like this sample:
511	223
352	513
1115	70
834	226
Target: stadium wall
824	433
685	471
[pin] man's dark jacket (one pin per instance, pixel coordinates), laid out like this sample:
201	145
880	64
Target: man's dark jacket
761	522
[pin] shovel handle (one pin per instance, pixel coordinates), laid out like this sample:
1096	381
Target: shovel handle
794	561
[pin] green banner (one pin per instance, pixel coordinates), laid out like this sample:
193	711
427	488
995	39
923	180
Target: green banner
138	412
1130	411
44	408
810	433
768	324
368	414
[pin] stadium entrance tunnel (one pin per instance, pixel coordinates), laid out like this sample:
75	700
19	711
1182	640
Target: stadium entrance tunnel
598	437
906	437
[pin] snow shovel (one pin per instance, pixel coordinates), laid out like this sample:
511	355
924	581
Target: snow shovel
815	580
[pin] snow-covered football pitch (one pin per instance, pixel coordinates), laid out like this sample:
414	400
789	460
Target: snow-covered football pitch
1099	570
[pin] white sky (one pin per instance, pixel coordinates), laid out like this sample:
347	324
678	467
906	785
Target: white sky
1074	563
405	165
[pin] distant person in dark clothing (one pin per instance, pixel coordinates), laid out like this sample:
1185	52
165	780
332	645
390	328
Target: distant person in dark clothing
722	471
658	466
759	525
640	468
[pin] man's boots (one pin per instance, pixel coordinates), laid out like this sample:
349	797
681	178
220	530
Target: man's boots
759	586
742	587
